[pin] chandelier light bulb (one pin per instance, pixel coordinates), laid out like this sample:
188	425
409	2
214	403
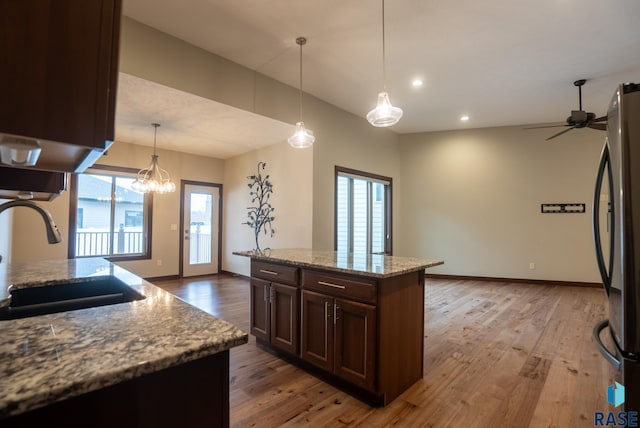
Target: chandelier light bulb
153	178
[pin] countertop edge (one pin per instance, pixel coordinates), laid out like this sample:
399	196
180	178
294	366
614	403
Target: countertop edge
418	264
55	378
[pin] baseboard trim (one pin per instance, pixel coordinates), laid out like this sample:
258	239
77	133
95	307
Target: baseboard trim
162	278
237	275
515	280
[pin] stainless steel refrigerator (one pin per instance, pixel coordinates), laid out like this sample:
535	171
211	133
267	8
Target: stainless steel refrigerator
616	230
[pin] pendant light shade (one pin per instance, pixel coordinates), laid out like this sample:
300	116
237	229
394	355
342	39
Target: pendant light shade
302	137
153	178
384	114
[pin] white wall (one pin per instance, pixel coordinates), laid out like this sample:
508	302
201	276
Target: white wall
291	174
472	198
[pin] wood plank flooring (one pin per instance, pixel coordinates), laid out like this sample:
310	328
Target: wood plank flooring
496	355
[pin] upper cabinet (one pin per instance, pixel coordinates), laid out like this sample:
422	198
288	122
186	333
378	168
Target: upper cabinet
58	79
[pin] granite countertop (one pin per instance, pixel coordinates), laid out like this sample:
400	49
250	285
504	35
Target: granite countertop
372	265
48	358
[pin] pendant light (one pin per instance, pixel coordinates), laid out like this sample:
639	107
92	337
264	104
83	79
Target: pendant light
153	178
384	114
303	137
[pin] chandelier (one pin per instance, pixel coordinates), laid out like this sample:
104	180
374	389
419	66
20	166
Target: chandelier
153	178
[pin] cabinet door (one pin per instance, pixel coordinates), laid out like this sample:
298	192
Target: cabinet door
355	342
259	317
317	329
284	317
59	73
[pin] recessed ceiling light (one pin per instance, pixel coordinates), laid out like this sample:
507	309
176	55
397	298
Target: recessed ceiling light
417	83
464	118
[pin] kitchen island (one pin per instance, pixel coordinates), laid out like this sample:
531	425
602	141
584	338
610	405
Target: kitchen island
150	362
356	321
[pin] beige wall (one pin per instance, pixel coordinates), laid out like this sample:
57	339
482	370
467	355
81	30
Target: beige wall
6	233
469	197
348	141
29	241
32	243
291	173
473	199
341	138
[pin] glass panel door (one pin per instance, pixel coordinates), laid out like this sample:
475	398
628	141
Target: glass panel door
200	227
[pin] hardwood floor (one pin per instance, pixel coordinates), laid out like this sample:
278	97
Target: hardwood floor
496	355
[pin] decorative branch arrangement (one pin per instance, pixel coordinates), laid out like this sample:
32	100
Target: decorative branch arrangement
260	214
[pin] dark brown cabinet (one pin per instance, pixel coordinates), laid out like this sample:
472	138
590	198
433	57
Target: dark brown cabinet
363	333
338	336
35	185
59	77
275	306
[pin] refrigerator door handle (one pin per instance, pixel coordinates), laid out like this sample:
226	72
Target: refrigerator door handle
602	168
613	359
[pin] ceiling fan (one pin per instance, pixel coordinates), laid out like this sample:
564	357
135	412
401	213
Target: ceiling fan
579	118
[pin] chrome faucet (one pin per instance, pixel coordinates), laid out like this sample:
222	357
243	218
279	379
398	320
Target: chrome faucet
53	234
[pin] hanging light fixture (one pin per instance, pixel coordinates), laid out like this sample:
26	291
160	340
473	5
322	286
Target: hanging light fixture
384	114
153	178
303	137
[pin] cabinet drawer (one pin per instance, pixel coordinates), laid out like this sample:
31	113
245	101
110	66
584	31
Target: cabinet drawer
337	285
275	272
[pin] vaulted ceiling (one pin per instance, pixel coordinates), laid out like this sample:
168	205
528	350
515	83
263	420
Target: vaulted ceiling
499	62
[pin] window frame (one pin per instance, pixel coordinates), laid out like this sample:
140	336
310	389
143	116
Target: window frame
73	207
388	199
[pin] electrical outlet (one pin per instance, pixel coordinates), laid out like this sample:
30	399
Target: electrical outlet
159	262
532	265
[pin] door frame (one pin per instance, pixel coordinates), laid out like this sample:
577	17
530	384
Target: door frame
183	184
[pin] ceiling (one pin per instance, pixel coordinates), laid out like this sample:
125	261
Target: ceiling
189	123
501	62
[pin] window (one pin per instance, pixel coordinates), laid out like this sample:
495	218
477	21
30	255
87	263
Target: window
363	212
107	217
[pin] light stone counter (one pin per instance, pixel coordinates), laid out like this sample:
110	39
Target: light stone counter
48	358
372	265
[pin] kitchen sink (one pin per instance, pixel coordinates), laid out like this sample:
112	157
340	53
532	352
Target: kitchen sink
67	296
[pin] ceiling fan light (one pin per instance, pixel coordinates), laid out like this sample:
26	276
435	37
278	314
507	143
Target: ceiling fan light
384	114
302	138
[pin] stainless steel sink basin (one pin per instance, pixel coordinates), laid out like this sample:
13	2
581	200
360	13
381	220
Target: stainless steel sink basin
69	296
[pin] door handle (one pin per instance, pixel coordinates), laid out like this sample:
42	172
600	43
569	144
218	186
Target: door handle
329	284
269	272
608	355
603	167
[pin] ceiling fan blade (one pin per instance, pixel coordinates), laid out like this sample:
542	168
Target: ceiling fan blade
598	126
548	126
560	133
600	119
